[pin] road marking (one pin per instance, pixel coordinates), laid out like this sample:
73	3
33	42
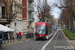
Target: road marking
43	48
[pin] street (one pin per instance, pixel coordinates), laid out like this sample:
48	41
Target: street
56	42
37	24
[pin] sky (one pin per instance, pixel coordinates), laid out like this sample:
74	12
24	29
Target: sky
55	11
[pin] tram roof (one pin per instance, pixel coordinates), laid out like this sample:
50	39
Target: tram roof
37	23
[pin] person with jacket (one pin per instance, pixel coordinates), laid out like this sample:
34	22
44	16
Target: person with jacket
20	35
1	39
17	36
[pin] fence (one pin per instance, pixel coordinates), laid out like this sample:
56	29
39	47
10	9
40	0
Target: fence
29	35
8	41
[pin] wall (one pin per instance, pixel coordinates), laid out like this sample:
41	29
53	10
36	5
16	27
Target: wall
17	9
35	11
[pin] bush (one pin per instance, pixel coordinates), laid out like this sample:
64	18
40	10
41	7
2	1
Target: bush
69	34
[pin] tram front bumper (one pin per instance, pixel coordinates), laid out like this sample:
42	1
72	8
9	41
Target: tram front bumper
37	37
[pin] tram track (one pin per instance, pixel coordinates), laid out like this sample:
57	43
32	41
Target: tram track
62	39
25	46
31	44
55	42
44	47
36	45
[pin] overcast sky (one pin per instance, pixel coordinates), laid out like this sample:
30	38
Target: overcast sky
55	10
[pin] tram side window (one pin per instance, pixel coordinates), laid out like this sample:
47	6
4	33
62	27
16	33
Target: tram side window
49	29
46	30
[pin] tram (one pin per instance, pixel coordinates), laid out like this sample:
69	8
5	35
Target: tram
43	30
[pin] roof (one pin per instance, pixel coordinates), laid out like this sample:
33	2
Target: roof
38	23
41	22
5	29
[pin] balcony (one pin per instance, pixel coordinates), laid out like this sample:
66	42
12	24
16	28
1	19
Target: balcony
31	0
31	7
31	18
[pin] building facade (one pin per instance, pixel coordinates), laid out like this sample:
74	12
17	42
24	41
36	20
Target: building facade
29	15
25	16
16	22
50	20
56	21
2	13
17	9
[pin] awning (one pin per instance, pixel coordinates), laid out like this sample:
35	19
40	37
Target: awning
5	29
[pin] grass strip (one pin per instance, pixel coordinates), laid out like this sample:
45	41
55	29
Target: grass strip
69	34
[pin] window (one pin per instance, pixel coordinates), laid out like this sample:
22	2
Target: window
3	12
48	29
40	29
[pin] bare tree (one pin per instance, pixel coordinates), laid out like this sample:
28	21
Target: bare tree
68	4
44	9
9	10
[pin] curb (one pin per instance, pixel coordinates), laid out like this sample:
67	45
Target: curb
72	44
69	41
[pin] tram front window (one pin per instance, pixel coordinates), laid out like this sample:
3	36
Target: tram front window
40	29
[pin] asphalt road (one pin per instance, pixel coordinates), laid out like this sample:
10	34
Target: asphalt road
57	42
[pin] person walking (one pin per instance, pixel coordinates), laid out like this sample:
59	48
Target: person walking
20	35
1	39
8	35
17	35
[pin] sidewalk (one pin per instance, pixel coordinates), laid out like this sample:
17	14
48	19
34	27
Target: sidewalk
16	41
72	42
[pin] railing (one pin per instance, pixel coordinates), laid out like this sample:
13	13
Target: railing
8	41
31	0
31	18
31	7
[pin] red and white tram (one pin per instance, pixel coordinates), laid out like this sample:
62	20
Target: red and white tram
43	30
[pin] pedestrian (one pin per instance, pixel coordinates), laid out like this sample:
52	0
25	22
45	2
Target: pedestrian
20	35
1	39
8	35
17	35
